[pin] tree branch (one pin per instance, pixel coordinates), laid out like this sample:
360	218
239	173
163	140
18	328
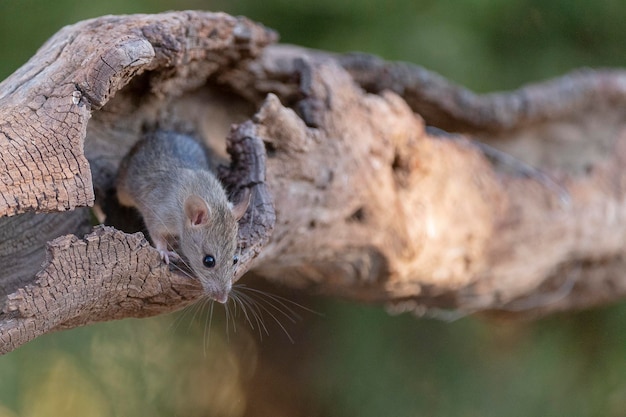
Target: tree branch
351	195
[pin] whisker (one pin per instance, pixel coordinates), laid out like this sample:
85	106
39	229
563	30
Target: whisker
201	304
243	308
235	311
288	313
280	300
182	260
207	326
254	309
257	315
268	311
234	315
277	322
180	316
227	311
183	271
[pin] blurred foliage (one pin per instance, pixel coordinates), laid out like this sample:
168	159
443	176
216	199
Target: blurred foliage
484	45
155	367
563	366
356	360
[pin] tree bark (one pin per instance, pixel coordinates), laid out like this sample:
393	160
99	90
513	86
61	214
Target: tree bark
355	194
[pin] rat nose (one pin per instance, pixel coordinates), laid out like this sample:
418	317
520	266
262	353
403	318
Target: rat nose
221	297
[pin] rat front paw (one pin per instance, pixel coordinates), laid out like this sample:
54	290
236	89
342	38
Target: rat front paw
166	254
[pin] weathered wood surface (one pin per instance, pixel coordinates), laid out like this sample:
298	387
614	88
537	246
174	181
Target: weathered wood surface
352	196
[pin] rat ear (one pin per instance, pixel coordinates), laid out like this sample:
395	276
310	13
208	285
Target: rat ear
240	208
197	211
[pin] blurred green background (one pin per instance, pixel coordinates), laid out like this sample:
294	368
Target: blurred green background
352	360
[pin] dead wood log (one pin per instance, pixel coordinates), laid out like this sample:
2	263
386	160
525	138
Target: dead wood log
351	194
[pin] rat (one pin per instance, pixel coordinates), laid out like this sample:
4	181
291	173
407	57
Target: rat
167	177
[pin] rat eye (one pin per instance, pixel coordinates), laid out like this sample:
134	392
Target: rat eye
235	259
208	261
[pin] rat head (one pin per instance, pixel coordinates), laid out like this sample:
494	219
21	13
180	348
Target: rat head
209	243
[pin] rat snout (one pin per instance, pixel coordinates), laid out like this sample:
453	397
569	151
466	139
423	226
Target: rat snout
216	290
221	297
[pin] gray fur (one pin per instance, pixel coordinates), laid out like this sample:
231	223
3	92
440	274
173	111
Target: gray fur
157	177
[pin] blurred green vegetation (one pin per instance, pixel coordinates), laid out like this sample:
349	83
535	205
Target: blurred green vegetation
356	360
484	45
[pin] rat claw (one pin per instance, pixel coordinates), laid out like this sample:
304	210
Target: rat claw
165	255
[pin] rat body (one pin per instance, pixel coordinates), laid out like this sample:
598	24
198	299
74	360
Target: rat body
167	177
